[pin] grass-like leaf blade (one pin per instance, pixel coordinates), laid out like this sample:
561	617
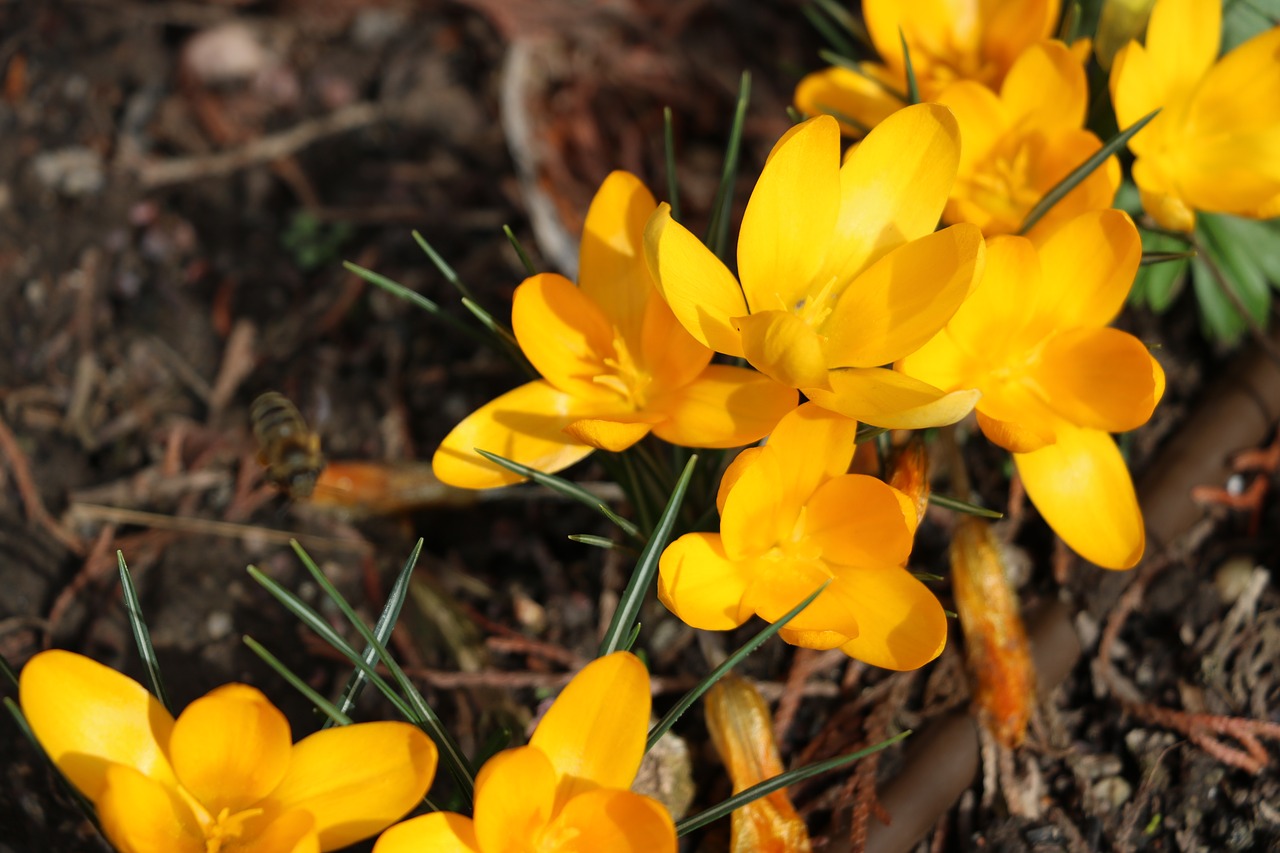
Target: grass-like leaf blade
957	505
450	753
520	252
686	701
322	704
382	630
449	273
669	155
1079	173
141	635
913	86
856	67
768	786
624	617
718	228
564	487
397	289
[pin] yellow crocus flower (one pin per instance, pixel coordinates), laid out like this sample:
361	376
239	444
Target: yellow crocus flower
225	776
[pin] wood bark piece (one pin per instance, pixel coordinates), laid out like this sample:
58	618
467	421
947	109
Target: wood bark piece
1238	413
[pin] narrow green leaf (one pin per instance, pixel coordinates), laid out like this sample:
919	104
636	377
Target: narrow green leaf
847	22
594	541
828	29
669	152
1152	258
450	275
564	487
686	701
1260	239
141	636
86	807
382	630
631	639
524	256
325	631
1069	30
1079	173
506	340
1157	284
721	210
913	87
624	617
8	672
411	296
957	505
1238	261
450	754
322	704
783	780
866	432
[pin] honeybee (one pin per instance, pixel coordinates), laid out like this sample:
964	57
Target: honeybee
288	450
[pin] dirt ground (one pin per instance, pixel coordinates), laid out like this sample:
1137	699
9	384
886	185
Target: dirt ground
179	183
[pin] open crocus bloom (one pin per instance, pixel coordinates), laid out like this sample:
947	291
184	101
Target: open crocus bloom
841	269
1214	145
1020	144
615	364
1054	379
225	775
568	789
949	40
791	519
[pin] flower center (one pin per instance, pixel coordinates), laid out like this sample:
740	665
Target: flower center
817	305
1003	186
555	836
624	376
224	832
794	544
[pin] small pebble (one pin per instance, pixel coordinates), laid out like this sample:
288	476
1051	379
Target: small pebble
1232	577
218	625
74	172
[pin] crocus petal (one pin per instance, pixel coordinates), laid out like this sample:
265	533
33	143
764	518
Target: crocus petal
613	434
724	407
670	355
1136	91
902	301
698	583
1183	37
733	472
291	832
1082	488
564	334
619	821
594	732
844	93
884	398
357	780
1009	26
943	362
88	717
525	425
1015	436
703	294
996	320
808	447
1098	378
439	832
857	520
902	624
230	748
1046	89
827	622
1241	91
783	347
515	798
1087	267
893	187
981	117
611	268
787	224
140	815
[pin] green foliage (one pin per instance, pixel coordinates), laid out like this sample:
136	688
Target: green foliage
313	243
